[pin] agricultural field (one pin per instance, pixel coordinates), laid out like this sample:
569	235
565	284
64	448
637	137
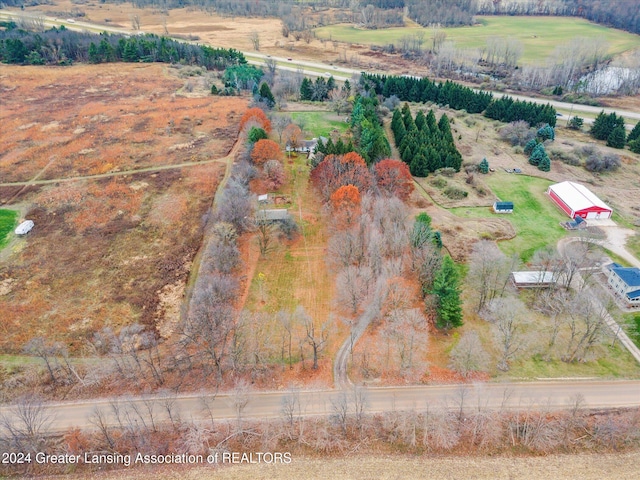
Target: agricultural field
539	35
8	219
129	167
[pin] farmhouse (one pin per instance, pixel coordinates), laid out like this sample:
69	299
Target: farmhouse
272	215
25	227
503	207
625	282
577	200
533	279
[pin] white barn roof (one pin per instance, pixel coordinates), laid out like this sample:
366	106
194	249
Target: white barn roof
577	197
533	277
25	227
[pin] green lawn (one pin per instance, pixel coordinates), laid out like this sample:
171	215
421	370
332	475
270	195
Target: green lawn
539	35
535	218
320	123
8	220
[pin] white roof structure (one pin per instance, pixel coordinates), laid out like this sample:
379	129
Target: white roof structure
25	227
577	197
533	278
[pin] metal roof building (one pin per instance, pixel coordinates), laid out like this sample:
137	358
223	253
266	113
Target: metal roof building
577	200
625	281
533	279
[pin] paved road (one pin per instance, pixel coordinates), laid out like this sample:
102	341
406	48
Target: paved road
544	394
293	65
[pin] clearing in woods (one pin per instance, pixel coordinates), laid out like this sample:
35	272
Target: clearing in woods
539	35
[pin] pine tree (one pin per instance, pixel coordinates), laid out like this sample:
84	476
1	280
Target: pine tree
418	166
483	166
537	154
446	290
617	138
634	145
420	121
306	89
544	164
331	83
546	133
266	96
634	134
93	53
530	145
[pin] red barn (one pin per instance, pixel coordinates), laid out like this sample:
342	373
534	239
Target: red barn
577	200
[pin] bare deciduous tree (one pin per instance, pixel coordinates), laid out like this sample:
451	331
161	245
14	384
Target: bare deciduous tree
508	318
255	40
316	337
468	355
489	271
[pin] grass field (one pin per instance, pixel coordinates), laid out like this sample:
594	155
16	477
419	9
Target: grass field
633	245
539	35
320	123
535	217
7	223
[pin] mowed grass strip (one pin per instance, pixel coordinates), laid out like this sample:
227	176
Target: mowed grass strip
535	217
539	35
320	124
8	220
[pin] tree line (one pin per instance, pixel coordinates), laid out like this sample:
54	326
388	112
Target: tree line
424	144
60	46
459	97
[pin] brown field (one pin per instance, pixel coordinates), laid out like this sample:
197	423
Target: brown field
96	119
621	466
113	250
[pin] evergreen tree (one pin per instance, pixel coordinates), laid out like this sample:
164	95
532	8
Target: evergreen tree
546	133
256	134
617	138
483	166
446	291
266	96
634	134
306	89
346	87
544	164
605	124
331	83
530	145
94	57
420	121
431	121
634	145
576	123
418	166
214	90
537	155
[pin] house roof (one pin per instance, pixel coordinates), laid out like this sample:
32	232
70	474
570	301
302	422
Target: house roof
533	277
634	294
629	275
577	197
272	214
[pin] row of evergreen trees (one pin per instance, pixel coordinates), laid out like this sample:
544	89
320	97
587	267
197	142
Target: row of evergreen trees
609	127
368	134
425	144
62	46
459	97
318	91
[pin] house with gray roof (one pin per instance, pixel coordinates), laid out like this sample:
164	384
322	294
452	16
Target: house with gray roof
625	282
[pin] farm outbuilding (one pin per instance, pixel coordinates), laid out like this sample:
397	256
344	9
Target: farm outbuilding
533	279
503	207
577	200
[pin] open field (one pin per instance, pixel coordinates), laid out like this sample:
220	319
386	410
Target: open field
8	219
320	123
535	218
117	121
539	35
106	252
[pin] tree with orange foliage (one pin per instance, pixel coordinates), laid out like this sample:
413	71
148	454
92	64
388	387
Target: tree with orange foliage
345	205
338	170
292	136
257	116
264	150
393	178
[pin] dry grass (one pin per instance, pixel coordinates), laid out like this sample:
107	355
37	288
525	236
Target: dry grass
621	466
107	251
106	118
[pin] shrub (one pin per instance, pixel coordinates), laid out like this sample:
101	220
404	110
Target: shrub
455	193
517	133
598	163
289	228
575	123
214	90
447	172
439	182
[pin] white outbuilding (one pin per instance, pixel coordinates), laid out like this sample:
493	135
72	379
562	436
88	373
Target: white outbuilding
25	227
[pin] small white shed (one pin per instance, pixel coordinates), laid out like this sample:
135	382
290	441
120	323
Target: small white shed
25	227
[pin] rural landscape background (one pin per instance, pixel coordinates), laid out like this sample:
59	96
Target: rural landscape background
269	226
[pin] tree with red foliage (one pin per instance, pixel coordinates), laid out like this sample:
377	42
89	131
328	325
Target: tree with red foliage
336	171
345	205
255	116
265	150
394	179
